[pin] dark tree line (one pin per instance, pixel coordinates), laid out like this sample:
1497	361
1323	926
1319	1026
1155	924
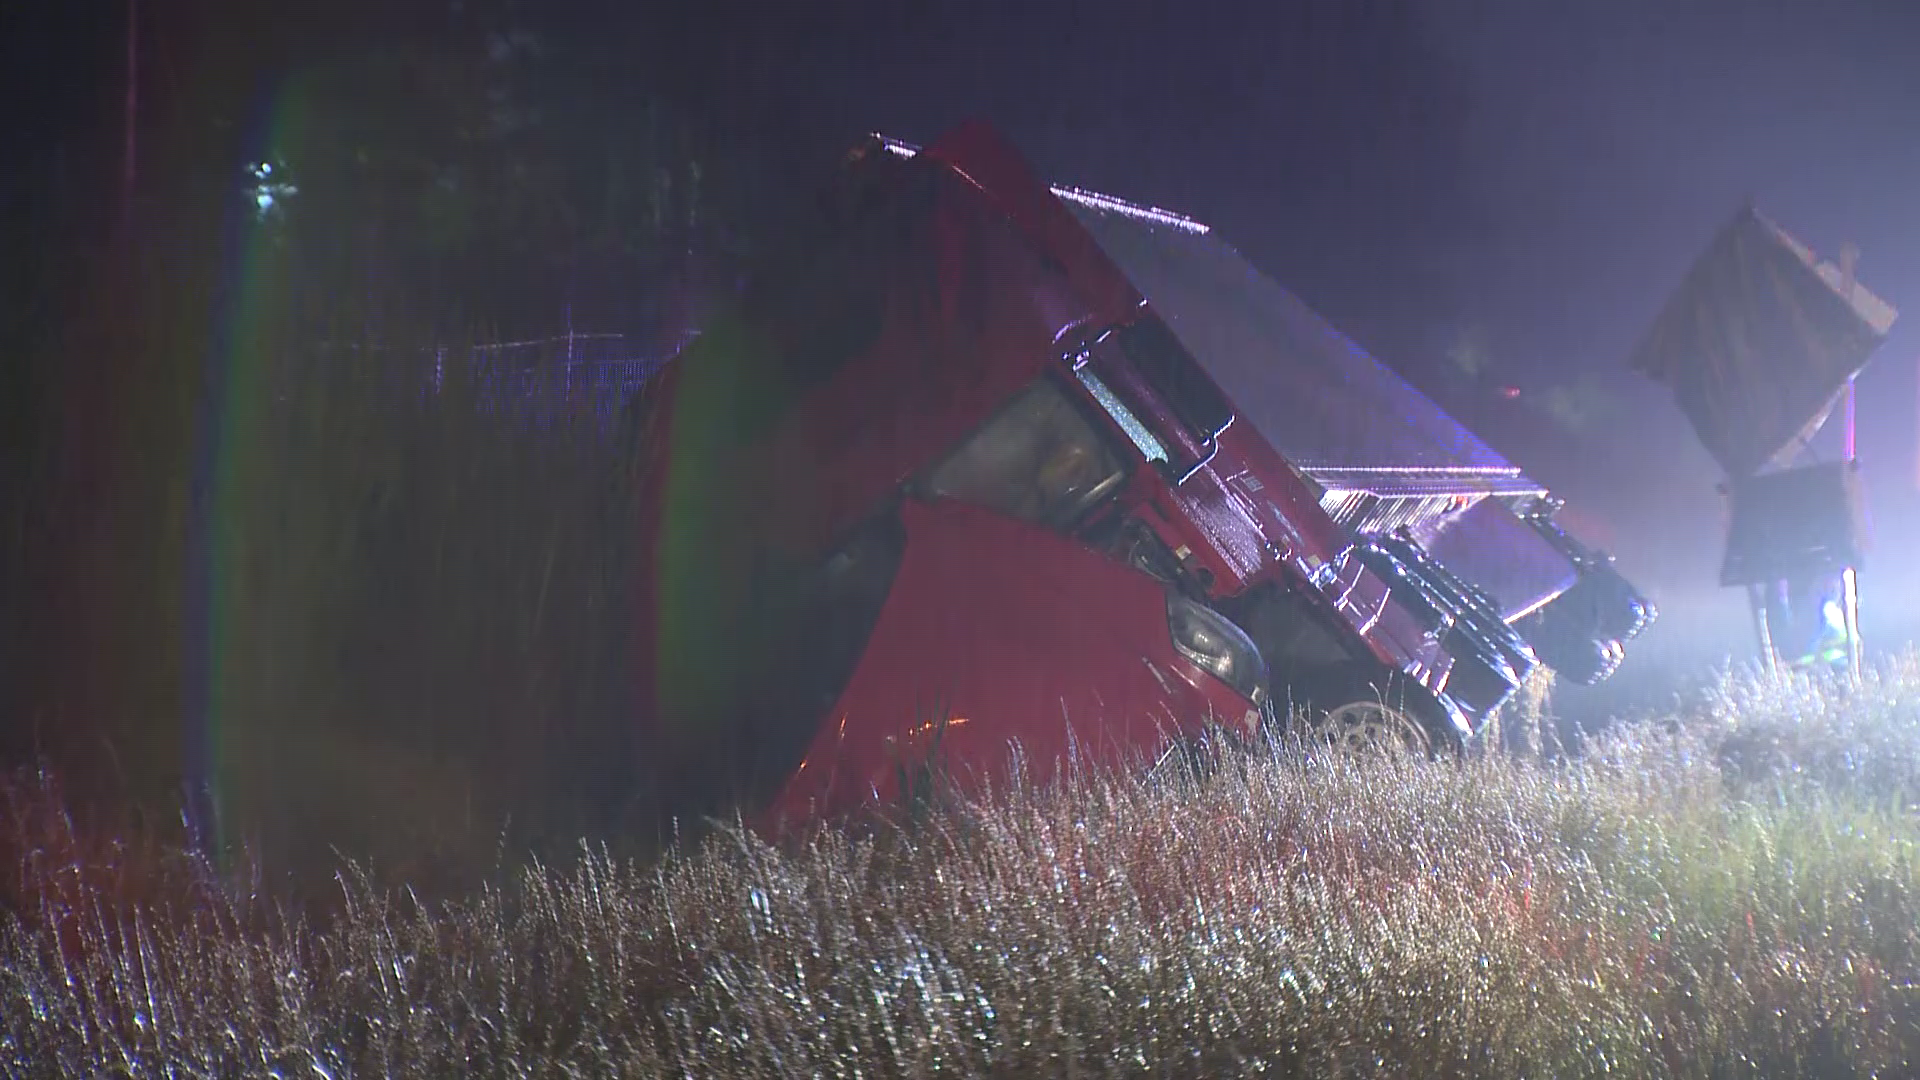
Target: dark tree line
385	175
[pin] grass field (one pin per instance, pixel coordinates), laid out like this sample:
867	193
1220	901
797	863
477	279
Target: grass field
1728	892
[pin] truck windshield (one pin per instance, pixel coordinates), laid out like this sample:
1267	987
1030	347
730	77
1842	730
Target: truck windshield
1039	459
1172	371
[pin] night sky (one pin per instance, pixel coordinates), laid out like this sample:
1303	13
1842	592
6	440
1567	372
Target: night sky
1533	177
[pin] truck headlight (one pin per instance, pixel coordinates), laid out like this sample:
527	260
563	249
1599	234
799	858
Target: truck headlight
1212	641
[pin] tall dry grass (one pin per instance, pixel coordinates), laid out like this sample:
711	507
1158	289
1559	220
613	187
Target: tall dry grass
255	558
1671	903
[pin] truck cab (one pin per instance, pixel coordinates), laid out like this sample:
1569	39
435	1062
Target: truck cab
944	492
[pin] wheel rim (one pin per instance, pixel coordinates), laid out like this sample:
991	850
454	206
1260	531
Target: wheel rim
1370	728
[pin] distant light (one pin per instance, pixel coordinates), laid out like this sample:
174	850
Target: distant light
266	191
1834	616
1509	392
1093	199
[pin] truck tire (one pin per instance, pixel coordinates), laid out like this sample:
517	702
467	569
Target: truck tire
1369	711
1584	663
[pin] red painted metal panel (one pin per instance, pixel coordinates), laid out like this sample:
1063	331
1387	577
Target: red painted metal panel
998	632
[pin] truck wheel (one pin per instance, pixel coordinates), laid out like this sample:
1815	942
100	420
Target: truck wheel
1585	663
1366	713
1368	727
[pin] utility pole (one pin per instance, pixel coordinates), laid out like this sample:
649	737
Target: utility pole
128	169
1849	264
1850	581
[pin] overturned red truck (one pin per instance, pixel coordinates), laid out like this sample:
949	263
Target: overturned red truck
977	463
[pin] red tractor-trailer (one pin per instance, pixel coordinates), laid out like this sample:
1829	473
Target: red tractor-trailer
945	481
